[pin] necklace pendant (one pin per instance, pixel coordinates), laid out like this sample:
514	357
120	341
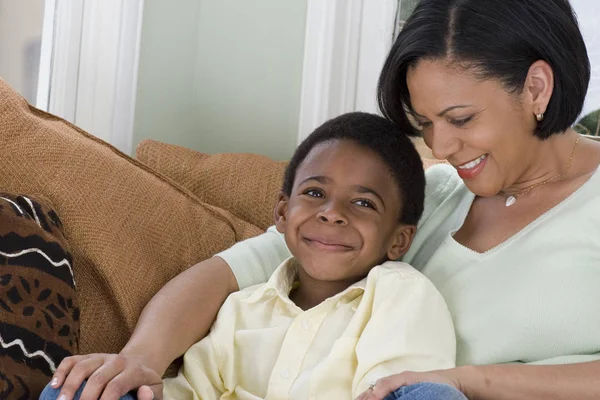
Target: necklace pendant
510	200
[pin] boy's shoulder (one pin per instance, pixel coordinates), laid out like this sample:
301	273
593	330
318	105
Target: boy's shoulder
395	270
394	278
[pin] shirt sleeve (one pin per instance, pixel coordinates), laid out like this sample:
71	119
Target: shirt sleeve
199	378
410	328
254	260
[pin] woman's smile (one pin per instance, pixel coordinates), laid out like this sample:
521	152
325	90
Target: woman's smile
472	169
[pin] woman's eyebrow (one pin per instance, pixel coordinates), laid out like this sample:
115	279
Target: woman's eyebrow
444	111
453	108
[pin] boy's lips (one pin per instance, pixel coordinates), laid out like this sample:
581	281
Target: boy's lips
327	244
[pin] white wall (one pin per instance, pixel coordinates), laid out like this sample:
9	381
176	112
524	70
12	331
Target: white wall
588	14
20	40
221	75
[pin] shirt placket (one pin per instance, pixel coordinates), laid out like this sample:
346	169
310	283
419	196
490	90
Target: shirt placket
296	344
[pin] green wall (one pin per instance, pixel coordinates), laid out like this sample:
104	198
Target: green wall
221	75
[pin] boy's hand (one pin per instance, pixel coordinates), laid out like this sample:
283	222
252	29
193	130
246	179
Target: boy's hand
109	376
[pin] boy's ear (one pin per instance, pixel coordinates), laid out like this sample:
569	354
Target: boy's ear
280	212
401	241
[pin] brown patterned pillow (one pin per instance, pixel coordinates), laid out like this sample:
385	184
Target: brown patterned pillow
39	312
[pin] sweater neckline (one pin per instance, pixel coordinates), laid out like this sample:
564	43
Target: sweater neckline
471	197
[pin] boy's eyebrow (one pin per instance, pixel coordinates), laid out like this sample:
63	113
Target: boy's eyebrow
364	189
319	178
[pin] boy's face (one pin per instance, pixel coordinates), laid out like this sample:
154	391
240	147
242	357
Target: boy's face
342	217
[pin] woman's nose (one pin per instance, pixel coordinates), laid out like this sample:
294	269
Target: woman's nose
443	142
332	214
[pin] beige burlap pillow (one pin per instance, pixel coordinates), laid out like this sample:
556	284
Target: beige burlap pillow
245	184
130	229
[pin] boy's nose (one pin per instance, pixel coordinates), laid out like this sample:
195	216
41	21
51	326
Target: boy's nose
332	216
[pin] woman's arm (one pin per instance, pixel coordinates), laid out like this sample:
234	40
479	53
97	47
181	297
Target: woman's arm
515	381
507	381
179	315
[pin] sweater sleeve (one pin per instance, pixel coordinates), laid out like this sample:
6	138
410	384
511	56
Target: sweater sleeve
254	260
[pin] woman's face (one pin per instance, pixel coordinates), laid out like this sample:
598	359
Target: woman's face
485	132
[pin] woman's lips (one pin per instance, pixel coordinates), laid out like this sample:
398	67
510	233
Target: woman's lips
471	173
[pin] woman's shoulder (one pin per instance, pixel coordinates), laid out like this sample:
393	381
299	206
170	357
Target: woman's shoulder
442	184
441	179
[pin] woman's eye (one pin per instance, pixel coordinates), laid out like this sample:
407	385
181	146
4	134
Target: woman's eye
421	125
365	203
460	122
314	193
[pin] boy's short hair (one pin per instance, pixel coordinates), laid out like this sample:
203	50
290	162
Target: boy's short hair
384	138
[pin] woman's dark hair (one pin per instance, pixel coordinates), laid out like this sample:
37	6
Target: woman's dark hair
495	39
385	139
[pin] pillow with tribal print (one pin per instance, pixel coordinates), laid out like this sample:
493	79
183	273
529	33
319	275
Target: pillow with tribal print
39	313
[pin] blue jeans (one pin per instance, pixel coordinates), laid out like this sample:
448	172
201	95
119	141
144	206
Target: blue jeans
426	391
50	393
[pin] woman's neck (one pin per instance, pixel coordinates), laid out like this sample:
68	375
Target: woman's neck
549	159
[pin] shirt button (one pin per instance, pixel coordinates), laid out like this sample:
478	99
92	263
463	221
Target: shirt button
285	373
306	325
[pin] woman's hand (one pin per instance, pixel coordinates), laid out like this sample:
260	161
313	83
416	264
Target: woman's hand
109	376
387	385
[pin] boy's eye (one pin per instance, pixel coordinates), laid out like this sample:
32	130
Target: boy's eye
365	203
314	193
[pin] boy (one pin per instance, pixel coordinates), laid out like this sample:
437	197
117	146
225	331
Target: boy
338	315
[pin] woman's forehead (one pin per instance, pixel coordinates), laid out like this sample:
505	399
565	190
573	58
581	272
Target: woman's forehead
438	85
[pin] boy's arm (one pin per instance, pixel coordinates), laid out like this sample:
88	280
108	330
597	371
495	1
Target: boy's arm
200	377
179	315
410	328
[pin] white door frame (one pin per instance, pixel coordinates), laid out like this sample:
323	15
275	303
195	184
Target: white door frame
89	65
346	43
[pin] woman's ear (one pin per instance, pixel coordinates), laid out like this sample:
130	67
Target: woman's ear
539	86
401	241
280	212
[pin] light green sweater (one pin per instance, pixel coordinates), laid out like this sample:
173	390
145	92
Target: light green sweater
534	298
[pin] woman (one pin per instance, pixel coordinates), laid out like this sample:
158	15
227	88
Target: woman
510	230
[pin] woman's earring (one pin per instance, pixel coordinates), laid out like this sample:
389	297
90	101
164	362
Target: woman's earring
539	117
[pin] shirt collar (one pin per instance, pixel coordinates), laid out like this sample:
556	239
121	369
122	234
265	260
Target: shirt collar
281	282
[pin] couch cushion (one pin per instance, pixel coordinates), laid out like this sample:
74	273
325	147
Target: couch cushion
245	184
39	312
130	228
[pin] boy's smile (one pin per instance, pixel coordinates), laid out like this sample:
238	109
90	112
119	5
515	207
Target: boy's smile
342	217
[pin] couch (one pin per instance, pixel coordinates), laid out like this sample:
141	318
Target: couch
131	224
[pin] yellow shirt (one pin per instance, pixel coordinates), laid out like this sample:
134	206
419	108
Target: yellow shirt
262	346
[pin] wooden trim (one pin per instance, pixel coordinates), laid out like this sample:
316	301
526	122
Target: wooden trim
95	56
330	61
346	43
110	43
45	72
62	99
